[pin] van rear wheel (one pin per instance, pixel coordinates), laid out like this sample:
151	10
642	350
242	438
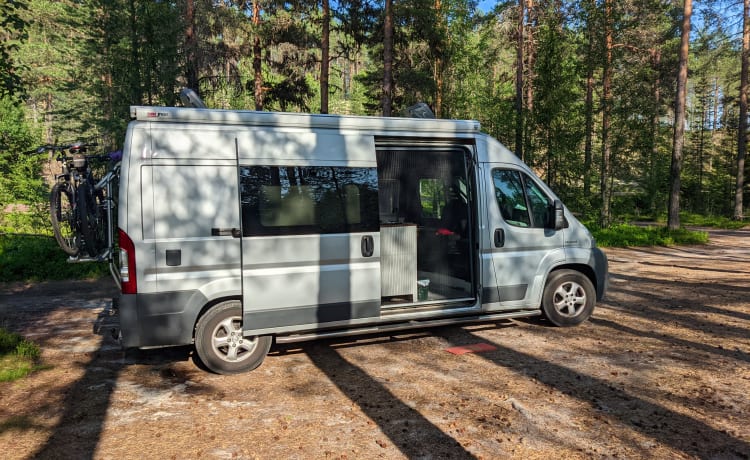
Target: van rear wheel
220	345
568	298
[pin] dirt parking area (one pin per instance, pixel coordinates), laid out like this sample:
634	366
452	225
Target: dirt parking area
662	370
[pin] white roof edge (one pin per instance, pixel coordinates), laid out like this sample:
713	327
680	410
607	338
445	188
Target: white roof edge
302	120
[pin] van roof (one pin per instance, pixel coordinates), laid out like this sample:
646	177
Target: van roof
301	120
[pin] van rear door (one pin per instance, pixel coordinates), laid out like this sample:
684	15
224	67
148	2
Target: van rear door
310	230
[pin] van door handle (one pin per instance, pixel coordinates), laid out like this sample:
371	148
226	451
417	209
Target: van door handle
233	232
368	246
499	237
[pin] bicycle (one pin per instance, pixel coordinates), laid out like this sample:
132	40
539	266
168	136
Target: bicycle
80	205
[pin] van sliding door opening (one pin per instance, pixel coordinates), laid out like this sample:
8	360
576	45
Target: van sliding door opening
427	225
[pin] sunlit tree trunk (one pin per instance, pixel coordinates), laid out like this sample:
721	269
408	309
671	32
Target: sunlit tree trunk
519	80
324	59
439	62
388	59
606	114
742	131
191	66
530	28
656	59
136	95
673	220
530	54
257	62
589	108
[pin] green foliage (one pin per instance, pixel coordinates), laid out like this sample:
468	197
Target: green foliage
35	258
12	33
18	356
20	172
624	235
82	63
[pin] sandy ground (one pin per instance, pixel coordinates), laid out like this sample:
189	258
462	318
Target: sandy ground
661	371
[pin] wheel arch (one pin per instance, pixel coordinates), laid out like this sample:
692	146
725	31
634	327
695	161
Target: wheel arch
209	305
583	269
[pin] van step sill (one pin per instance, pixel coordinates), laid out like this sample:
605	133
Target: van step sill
429	305
414	324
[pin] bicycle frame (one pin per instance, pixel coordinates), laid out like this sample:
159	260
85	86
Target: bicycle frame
77	170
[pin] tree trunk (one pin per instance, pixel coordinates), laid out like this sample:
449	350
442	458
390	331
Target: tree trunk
191	66
530	55
257	62
136	94
388	59
519	81
324	58
742	130
653	173
606	111
673	220
438	69
589	110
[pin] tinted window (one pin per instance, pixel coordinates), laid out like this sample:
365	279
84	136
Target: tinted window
522	203
299	200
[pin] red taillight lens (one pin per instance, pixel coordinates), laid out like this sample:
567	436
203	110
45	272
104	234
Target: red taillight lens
127	263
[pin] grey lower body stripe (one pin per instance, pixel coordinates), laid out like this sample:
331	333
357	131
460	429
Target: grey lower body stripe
311	314
503	293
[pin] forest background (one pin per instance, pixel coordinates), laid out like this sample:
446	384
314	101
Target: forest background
583	91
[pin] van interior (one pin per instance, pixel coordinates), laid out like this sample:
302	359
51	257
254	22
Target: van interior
426	226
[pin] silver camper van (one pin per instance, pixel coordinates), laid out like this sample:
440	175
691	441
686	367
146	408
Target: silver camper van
237	228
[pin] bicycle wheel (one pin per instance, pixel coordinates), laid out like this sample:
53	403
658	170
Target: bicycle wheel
92	228
62	216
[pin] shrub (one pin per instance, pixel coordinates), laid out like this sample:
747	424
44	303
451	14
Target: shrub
18	356
37	257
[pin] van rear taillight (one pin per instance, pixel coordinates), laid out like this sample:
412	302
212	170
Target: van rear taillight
127	263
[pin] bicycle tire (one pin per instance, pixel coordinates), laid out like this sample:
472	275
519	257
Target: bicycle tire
63	219
92	228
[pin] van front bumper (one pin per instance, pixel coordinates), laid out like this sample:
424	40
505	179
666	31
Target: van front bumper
600	264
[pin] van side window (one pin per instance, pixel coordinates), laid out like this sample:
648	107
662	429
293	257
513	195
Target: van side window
522	203
303	200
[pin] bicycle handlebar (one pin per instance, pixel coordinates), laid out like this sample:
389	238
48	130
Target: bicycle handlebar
73	148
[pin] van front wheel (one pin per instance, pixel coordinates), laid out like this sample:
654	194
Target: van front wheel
568	298
220	345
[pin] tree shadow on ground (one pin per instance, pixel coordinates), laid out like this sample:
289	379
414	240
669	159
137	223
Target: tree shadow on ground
679	431
413	434
87	401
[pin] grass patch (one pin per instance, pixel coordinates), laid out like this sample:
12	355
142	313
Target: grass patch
624	235
18	356
699	220
38	257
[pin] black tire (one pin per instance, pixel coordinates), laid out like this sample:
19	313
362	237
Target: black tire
63	218
568	298
220	344
92	228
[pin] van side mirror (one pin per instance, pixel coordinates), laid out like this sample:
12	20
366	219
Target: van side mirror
558	216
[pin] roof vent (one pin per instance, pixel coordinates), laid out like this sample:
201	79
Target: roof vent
190	98
419	110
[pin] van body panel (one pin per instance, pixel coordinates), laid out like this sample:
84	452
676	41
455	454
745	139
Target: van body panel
136	201
309	279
